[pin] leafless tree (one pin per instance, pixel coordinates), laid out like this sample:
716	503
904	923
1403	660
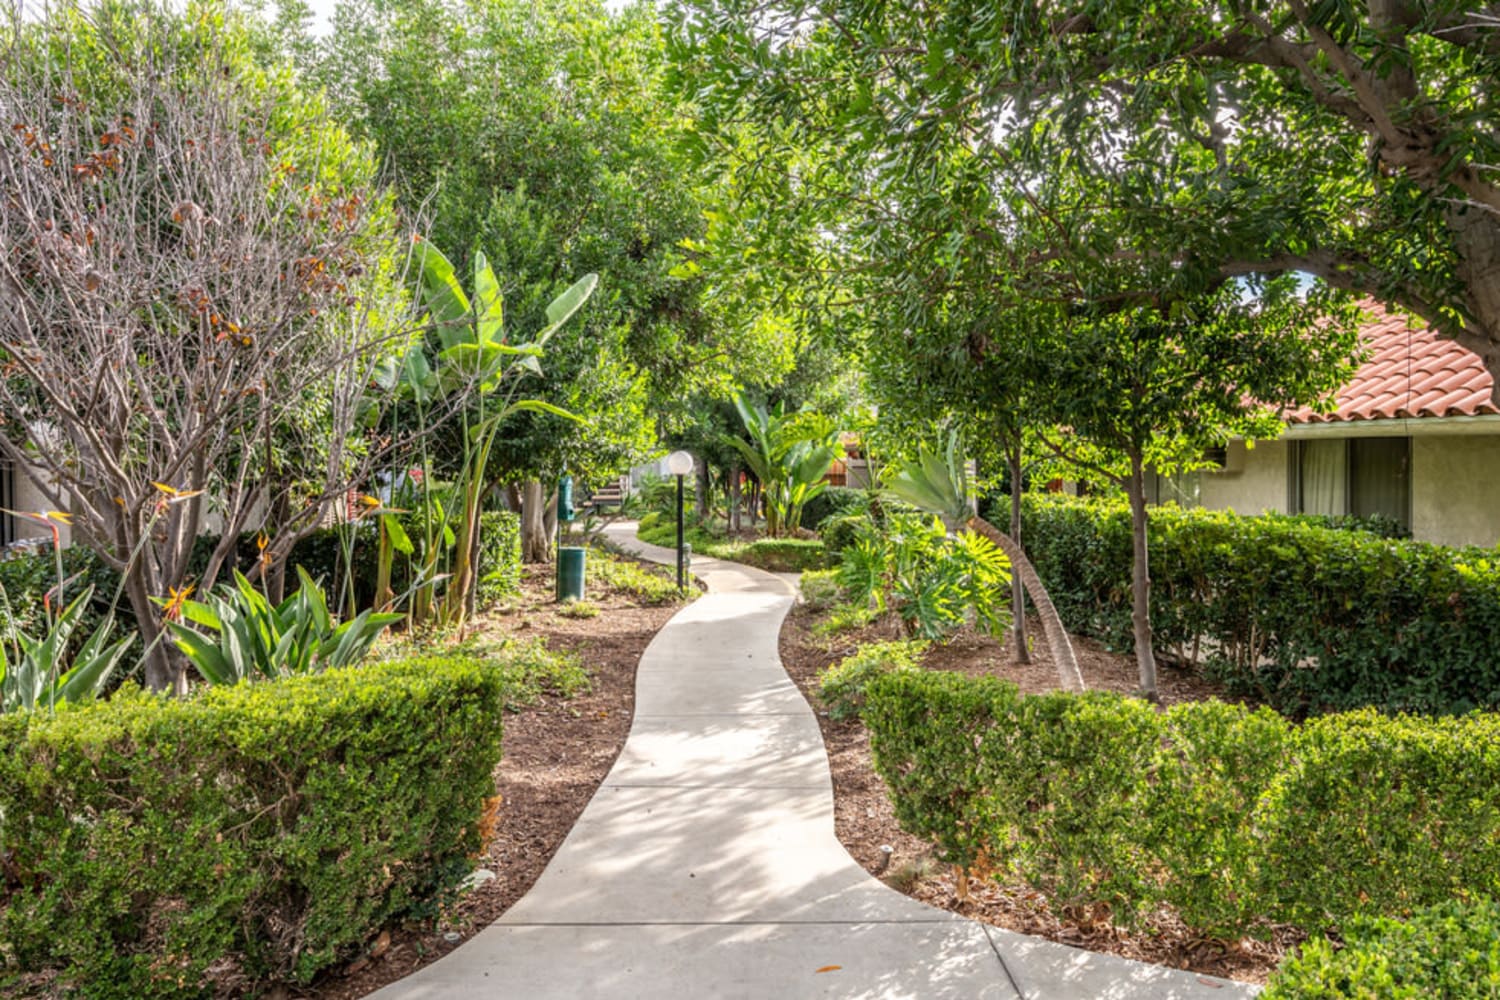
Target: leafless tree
197	276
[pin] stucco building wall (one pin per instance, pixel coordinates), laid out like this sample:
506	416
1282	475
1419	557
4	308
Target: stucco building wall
1455	490
1253	480
1455	485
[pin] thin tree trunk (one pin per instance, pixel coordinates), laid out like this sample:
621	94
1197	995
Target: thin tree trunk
164	671
734	499
1140	580
534	547
701	481
1058	642
549	518
1017	588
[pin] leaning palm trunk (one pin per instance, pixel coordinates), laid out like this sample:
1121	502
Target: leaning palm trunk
940	484
1068	674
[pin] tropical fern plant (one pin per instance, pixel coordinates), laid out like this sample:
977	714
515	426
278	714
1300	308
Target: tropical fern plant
938	482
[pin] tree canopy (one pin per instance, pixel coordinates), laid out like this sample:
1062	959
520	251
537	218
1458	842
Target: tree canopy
1356	142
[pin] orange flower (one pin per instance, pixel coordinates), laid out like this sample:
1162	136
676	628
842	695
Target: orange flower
172	610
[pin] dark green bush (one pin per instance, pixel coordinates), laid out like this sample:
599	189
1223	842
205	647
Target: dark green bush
27	577
835	501
1450	951
842	532
1305	618
928	732
782	555
1216	763
1383	815
1232	817
265	831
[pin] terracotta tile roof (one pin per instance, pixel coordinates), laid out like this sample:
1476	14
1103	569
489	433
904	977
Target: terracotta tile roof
1411	372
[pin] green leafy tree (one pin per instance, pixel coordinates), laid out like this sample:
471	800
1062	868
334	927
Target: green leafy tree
540	132
1353	141
1158	387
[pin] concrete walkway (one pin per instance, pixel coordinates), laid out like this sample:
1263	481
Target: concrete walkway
706	867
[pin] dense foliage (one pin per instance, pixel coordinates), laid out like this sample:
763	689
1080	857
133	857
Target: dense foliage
910	568
262	830
1231	817
1448	950
1306	618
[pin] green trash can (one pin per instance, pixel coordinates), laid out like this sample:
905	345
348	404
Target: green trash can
570	563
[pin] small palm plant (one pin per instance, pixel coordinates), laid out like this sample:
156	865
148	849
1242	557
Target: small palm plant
939	483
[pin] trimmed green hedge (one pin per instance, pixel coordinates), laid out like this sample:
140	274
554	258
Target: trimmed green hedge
1232	817
781	555
778	555
1306	618
1448	950
842	686
262	830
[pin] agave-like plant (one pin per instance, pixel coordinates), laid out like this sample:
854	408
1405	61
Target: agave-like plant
938	482
255	640
36	677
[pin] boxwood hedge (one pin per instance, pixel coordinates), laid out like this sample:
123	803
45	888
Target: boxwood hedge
1304	617
1448	950
1232	817
245	836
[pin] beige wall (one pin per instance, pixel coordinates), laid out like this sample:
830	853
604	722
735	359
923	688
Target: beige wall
28	499
1455	492
1455	496
1253	480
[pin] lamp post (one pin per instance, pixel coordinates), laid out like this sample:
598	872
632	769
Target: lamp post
679	464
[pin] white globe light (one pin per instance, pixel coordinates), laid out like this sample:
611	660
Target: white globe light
679	463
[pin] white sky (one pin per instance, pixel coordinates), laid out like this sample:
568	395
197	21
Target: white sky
323	12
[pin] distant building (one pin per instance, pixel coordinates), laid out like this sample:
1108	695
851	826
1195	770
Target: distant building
1415	438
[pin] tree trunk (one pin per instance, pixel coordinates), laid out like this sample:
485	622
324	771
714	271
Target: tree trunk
549	519
534	541
700	488
1017	588
734	499
1058	642
1140	580
164	670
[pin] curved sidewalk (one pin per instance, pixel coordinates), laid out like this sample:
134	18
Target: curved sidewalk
706	866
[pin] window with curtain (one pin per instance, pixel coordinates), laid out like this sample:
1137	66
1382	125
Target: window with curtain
1322	476
1361	476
